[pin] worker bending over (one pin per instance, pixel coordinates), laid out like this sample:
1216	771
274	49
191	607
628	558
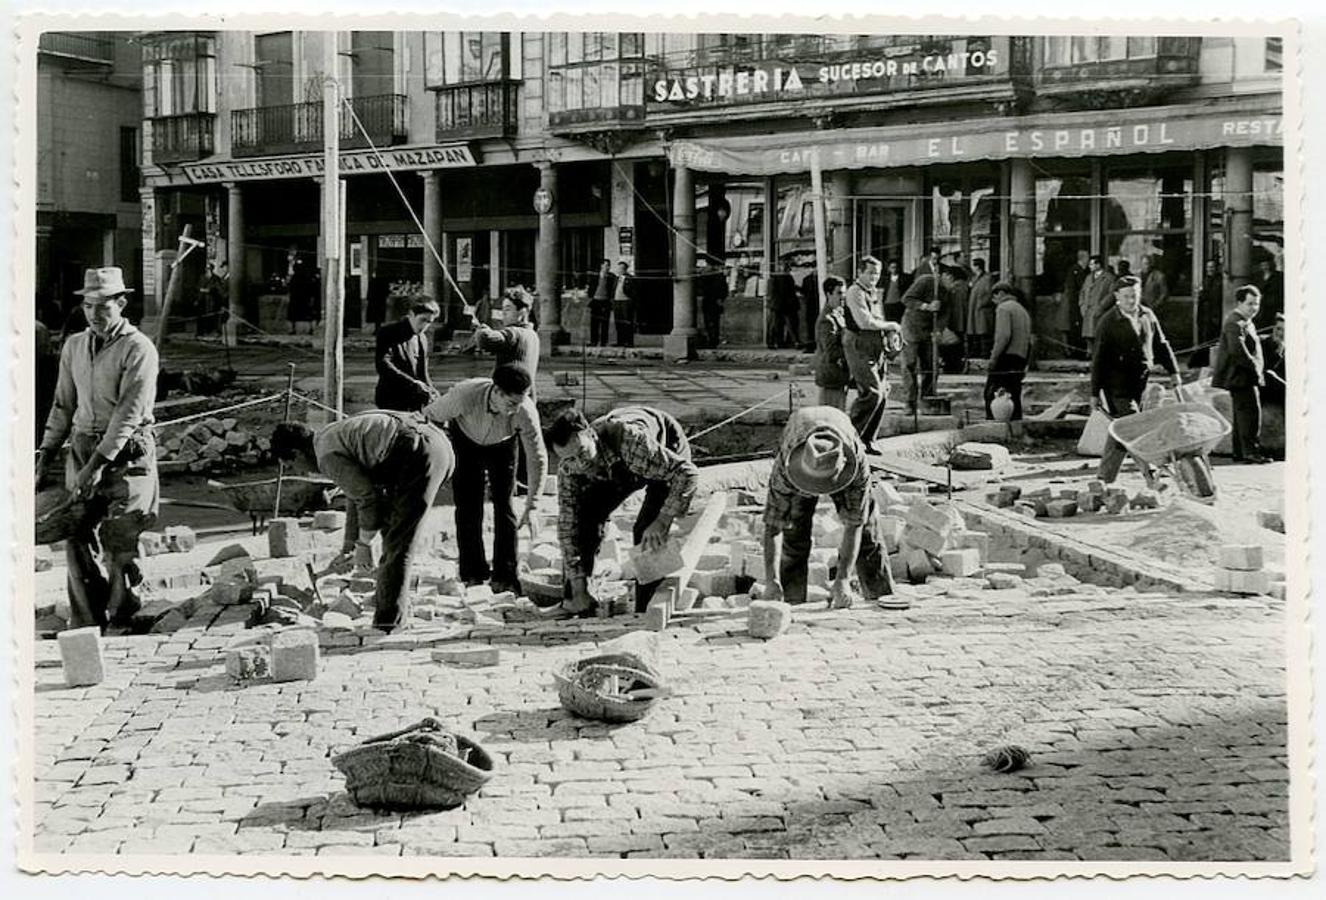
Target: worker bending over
820	455
390	466
603	463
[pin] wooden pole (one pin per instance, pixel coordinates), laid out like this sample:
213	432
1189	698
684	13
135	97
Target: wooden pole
285	417
174	285
333	358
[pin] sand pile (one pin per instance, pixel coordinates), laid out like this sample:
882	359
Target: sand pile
1184	429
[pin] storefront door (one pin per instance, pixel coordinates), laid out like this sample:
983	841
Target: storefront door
881	230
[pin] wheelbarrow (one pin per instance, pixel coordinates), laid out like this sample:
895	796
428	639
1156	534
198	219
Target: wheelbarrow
299	494
1177	439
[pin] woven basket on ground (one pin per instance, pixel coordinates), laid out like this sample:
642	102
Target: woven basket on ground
420	767
610	688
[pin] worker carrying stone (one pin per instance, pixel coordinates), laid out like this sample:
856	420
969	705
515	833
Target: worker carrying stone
603	463
103	402
390	465
820	455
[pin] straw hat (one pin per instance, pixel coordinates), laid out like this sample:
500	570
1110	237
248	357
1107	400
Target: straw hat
103	282
823	463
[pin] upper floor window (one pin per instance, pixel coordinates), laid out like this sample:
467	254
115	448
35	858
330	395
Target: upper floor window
274	63
181	73
1067	51
372	63
595	70
469	57
1275	48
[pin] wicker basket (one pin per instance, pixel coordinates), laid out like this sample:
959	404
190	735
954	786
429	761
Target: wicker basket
605	687
60	517
414	768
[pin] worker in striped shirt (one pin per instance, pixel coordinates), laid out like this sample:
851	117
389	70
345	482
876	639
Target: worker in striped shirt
601	464
488	418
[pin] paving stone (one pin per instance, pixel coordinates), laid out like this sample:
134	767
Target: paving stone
294	656
81	656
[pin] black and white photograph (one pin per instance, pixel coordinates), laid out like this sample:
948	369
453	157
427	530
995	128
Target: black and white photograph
497	446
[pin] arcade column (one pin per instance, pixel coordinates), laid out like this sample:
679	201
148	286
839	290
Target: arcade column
1238	201
234	259
546	281
433	231
680	343
1022	192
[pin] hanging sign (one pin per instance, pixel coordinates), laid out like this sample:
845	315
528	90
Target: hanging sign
543	201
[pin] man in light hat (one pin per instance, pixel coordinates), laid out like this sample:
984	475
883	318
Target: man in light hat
820	455
103	404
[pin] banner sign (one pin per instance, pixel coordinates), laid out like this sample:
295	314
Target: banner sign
354	162
871	71
1141	131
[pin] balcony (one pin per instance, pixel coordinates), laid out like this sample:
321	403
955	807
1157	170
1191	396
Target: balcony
821	74
297	127
1144	73
182	138
475	111
90	48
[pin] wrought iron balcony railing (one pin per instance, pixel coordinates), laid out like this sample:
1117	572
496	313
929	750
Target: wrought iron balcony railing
482	110
297	127
97	47
183	137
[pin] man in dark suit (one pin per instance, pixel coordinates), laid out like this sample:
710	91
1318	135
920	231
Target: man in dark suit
1240	369
401	359
1129	341
1271	283
927	302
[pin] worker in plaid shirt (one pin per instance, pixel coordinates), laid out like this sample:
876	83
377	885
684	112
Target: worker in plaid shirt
601	464
821	455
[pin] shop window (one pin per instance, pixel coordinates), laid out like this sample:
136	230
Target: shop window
1148	212
465	57
1274	54
1268	214
181	72
1068	51
595	70
1063	226
274	61
581	254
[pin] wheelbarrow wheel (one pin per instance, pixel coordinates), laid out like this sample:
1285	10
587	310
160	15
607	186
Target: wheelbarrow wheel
1195	474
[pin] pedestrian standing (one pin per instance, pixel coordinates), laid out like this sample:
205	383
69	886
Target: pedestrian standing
1096	298
1129	341
1210	305
981	309
893	286
863	346
953	345
600	304
104	395
1240	369
487	417
603	463
832	374
819	455
783	308
712	284
810	303
1010	348
1273	351
390	465
302	291
379	289
1155	286
515	341
623	305
1067	308
926	304
209	302
1272	285
401	358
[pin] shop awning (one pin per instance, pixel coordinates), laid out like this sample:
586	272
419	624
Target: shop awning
1077	134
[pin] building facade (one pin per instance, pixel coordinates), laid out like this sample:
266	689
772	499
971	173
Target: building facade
526	158
88	153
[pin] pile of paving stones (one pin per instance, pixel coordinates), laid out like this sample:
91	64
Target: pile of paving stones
209	445
1066	503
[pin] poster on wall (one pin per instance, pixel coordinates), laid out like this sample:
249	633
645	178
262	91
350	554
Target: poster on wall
626	241
464	259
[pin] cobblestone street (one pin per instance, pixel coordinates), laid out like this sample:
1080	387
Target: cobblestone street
1157	727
